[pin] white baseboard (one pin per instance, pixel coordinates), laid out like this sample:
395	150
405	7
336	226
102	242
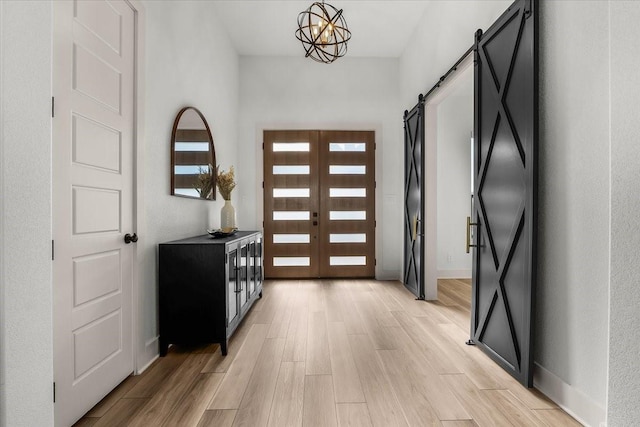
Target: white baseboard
454	274
149	363
388	275
571	400
2	404
148	356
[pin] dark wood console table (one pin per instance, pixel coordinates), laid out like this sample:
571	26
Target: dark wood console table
207	286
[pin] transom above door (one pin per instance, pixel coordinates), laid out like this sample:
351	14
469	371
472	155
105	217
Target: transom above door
319	204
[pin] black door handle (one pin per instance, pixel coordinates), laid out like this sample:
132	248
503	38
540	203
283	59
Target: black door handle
128	238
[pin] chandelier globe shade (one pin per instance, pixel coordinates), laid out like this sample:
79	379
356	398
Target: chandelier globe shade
323	32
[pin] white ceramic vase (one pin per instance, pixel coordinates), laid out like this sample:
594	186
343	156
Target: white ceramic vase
227	215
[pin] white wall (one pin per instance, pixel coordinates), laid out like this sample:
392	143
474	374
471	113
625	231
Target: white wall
448	31
27	348
624	345
573	255
2	296
189	62
352	93
454	127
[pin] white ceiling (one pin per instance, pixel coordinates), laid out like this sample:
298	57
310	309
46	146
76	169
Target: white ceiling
263	27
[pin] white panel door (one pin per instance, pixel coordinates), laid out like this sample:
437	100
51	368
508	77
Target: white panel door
92	201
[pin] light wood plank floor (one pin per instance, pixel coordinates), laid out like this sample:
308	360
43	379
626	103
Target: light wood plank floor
334	353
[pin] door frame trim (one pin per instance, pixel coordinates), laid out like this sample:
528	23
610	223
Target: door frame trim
139	348
2	246
376	127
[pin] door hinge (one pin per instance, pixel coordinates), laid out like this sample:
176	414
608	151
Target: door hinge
263	145
375	224
54	392
53	106
375	262
53	250
262	184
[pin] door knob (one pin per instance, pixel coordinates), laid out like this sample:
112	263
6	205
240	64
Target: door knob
128	238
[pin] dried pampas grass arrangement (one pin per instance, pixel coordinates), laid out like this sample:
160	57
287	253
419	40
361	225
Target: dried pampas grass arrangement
226	182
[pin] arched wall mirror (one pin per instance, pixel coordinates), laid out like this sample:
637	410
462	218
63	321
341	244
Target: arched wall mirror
193	156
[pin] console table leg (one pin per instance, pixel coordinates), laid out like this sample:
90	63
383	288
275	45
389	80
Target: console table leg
223	347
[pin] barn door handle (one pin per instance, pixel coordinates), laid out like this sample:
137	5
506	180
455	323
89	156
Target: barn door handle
128	238
414	228
469	224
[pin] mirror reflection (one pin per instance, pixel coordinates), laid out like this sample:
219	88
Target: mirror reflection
193	156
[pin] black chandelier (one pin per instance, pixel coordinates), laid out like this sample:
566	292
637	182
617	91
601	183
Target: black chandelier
323	32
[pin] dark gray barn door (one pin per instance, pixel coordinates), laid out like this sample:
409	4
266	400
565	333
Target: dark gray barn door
414	199
506	176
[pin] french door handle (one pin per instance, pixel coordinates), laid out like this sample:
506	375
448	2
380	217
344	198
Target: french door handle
128	238
469	224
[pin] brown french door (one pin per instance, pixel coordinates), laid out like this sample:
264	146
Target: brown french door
319	204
